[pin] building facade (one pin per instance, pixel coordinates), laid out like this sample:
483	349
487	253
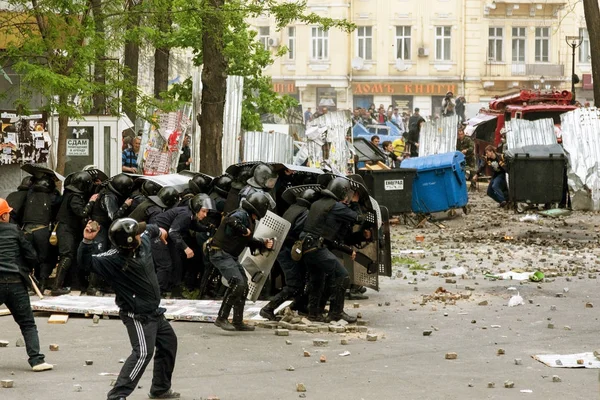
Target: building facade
410	53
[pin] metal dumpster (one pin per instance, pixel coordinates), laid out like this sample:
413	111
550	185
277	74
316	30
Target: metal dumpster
440	182
391	188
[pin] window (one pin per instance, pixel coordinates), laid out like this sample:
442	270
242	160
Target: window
403	42
584	49
319	43
291	43
518	45
542	44
364	34
263	36
442	42
495	44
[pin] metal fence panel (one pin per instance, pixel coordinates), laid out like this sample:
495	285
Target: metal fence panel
521	132
268	147
581	141
438	136
232	121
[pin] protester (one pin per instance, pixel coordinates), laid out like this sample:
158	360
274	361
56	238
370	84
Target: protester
497	189
185	158
129	157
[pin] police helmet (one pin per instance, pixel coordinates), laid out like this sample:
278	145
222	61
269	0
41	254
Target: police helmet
201	201
263	177
44	184
341	189
122	233
167	197
80	182
222	185
150	188
257	203
121	185
199	184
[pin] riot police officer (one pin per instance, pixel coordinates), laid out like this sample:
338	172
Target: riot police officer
326	218
166	198
294	271
219	189
17	200
263	180
232	237
73	210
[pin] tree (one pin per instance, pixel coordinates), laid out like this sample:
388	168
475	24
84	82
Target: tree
592	21
52	45
218	34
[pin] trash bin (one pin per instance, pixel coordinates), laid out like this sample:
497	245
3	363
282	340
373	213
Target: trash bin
391	187
440	182
536	174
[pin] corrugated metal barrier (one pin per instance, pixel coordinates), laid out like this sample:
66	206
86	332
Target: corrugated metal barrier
521	132
581	141
438	136
267	147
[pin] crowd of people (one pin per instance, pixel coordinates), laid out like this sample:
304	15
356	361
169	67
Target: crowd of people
130	236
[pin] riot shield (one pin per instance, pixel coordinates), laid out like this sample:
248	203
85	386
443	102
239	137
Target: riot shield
258	267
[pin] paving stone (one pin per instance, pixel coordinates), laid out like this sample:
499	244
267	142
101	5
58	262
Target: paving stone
4	343
509	384
556	378
451	356
300	387
323	359
282	332
362	329
53	347
20	342
320	343
371	337
7	383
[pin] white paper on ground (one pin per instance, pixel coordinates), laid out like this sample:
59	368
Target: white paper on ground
569	360
517	276
516	300
458	271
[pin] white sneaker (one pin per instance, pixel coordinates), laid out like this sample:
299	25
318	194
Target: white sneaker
42	367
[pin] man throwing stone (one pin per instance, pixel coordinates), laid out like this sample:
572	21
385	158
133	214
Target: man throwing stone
130	270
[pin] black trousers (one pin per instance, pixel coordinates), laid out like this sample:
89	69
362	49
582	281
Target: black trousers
39	241
145	333
16	298
168	263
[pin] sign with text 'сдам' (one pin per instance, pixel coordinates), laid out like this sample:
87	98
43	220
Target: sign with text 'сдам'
78	147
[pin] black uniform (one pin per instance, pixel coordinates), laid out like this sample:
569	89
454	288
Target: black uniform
40	208
146	211
326	219
106	209
17	202
414	133
14	249
137	292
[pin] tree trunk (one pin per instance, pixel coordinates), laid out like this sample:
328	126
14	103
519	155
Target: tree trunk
131	62
63	123
592	21
161	71
99	98
214	90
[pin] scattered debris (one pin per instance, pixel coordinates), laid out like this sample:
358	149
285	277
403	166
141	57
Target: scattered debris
323	358
451	356
556	378
20	342
345	354
290	368
371	337
7	383
4	343
53	347
320	343
300	387
58	319
509	384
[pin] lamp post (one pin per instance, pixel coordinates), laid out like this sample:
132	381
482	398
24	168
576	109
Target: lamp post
573	42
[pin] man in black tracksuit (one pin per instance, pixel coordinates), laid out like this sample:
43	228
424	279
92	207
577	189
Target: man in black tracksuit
130	270
232	237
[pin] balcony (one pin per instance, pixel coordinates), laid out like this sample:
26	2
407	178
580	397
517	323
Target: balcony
509	70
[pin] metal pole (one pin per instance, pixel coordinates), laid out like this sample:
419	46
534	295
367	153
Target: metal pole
573	75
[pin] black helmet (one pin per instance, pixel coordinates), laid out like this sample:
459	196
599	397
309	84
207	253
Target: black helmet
241	179
44	184
263	177
80	182
199	184
167	197
121	185
341	189
150	188
122	233
222	185
201	201
257	203
25	183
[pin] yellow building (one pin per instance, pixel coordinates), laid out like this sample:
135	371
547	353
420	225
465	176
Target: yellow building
410	53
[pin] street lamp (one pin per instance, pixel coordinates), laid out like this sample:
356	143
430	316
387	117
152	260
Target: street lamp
573	42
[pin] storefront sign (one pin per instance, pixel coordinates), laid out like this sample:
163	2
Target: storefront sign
408	88
284	87
78	147
588	82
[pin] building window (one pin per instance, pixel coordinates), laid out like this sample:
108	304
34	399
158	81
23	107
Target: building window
319	43
443	36
495	36
542	44
291	43
263	36
518	45
403	42
364	35
584	49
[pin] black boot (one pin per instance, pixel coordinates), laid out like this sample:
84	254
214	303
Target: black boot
222	318
336	306
268	311
238	313
61	274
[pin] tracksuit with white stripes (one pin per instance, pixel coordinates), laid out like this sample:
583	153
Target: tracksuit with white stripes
134	281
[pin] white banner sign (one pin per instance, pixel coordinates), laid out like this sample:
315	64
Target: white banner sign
394	184
78	147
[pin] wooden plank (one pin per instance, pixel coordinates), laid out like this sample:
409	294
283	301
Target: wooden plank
58	319
382	165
